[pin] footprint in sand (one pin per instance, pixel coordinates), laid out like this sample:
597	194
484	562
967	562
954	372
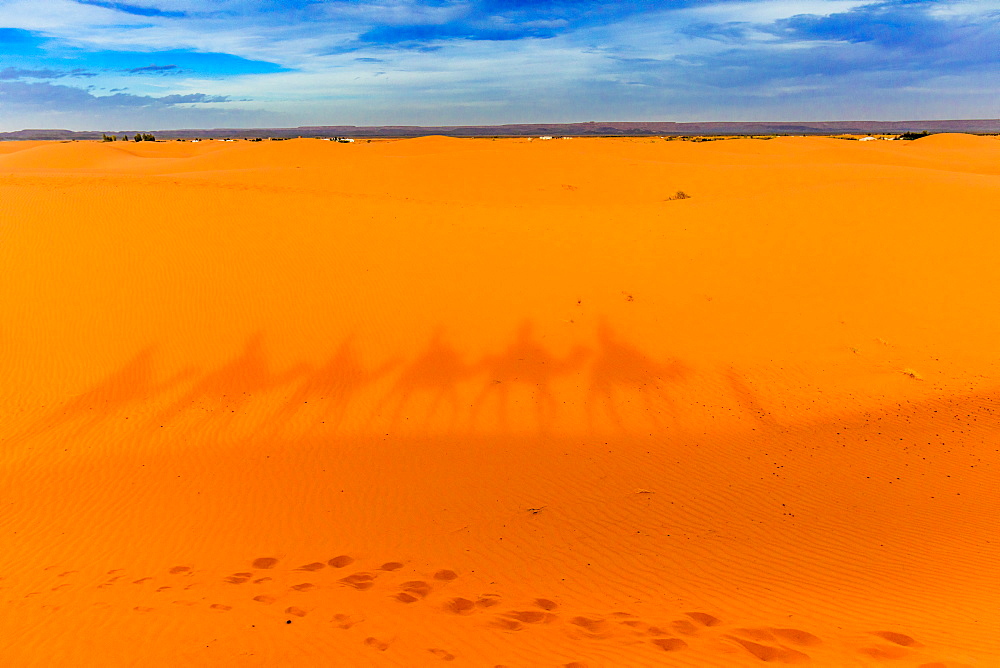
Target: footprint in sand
177	570
262	580
769	653
516	619
898	638
341	561
305	586
532	616
683	627
265	562
704	618
445	575
221	607
413	591
460	606
141	581
590	627
390	566
237	579
375	643
314	566
442	654
298	612
797	637
464	606
342	621
670	644
140	608
265	599
359	581
884	652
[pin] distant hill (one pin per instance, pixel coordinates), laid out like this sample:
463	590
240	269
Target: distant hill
590	129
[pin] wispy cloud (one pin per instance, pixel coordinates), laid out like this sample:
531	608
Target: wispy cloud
401	61
136	10
152	69
20	95
14	73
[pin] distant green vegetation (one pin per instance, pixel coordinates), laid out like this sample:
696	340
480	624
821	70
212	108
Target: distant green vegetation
910	136
139	136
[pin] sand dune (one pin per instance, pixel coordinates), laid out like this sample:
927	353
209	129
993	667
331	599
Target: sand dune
500	403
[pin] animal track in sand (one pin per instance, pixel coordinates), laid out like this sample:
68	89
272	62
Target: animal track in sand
591	627
884	652
413	591
440	590
898	638
704	618
670	644
360	581
460	606
314	566
390	566
343	621
341	561
769	653
684	627
797	637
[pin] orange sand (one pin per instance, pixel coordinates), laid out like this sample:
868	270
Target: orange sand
500	403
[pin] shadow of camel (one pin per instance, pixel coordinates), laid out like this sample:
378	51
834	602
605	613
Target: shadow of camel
223	392
335	384
133	382
435	374
524	364
620	369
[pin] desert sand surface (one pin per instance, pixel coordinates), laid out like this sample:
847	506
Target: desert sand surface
500	403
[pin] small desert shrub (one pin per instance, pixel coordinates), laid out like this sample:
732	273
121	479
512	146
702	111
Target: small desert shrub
910	136
680	194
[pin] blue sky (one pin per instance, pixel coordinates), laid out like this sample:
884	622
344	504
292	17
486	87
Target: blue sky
159	64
